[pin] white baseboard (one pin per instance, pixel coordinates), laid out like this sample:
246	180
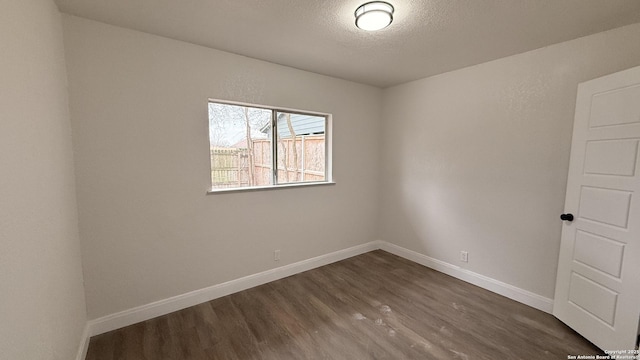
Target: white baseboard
179	302
84	343
512	292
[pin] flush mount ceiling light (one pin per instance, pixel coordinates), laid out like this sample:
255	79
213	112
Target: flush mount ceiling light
374	15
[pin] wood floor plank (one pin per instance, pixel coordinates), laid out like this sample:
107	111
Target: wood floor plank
235	329
156	342
301	327
101	347
372	306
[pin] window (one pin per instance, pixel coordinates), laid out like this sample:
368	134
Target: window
257	147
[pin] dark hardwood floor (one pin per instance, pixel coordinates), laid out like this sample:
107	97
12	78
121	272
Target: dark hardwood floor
372	306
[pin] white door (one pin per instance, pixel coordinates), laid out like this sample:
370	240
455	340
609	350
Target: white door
598	283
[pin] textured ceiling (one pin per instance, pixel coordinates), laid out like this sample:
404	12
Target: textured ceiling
427	37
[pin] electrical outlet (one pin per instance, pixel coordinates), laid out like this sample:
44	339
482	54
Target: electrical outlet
276	255
464	256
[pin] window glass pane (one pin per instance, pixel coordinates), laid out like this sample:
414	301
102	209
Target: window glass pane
300	147
240	144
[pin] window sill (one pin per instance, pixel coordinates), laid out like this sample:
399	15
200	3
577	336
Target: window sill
270	187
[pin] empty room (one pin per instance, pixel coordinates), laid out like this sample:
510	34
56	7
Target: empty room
336	179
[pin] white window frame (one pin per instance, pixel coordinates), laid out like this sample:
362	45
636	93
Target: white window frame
328	155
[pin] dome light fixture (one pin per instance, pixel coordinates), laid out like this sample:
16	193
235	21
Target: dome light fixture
374	15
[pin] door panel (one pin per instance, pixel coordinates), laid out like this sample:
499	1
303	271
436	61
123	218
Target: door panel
611	157
615	107
597	300
598	283
606	206
599	252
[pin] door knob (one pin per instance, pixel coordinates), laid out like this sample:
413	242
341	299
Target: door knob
566	217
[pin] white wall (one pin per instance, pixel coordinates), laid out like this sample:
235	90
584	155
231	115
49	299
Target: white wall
476	159
42	308
139	118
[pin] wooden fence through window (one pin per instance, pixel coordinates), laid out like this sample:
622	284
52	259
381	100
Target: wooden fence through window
230	166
